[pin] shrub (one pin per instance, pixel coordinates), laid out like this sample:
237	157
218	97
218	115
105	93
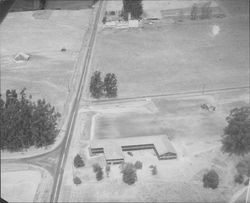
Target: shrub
78	162
211	179
77	180
138	165
129	173
238	179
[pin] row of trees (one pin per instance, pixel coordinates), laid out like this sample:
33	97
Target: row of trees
99	88
134	7
203	13
24	123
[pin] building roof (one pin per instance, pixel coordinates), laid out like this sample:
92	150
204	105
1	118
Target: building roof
113	147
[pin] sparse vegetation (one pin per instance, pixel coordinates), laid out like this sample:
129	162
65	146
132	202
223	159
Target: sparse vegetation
236	138
78	162
25	123
77	180
129	173
134	7
138	165
211	180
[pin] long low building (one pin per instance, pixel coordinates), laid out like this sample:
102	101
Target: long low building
113	148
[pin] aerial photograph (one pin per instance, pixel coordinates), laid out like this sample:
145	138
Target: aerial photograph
125	101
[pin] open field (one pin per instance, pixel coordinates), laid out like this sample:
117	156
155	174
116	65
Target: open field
42	34
178	57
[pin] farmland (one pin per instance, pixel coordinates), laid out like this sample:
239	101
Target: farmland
165	58
49	73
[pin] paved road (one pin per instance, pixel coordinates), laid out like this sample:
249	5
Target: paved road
69	132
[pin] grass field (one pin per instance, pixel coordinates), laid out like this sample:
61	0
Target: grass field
42	34
19	186
169	58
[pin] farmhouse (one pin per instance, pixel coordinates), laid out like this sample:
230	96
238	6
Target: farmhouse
113	148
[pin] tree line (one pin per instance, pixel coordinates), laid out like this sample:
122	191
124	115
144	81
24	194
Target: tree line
24	123
99	88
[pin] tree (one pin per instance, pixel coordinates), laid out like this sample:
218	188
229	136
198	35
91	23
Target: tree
129	173
239	179
107	170
25	123
99	174
134	7
96	167
138	165
211	179
236	138
194	12
78	162
96	85
154	170
243	167
110	85
206	11
77	180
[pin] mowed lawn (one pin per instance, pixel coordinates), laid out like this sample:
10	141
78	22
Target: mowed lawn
177	57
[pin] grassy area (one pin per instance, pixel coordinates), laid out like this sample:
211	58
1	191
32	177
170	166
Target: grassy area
42	34
169	58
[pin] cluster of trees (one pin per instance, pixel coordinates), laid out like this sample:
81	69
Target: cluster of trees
243	172
201	13
236	138
98	171
129	173
78	161
211	179
99	88
134	7
24	123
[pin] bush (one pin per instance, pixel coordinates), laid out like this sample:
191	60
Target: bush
77	180
129	173
138	165
238	179
211	179
78	162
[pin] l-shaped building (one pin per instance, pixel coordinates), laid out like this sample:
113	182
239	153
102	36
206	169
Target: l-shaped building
113	148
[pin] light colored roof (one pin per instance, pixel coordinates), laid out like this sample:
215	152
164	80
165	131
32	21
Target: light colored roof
114	5
113	146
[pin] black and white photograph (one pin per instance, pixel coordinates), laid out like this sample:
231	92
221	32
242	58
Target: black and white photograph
125	101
